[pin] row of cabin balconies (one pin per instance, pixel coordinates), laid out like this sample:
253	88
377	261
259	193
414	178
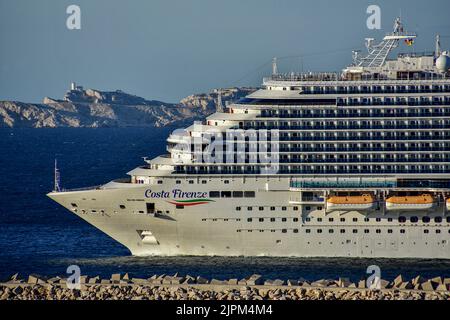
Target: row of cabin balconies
248	158
367	136
355	113
347	125
285	169
376	89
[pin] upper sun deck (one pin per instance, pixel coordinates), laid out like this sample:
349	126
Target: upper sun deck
375	67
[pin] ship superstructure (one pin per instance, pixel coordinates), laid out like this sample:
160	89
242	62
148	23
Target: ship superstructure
355	163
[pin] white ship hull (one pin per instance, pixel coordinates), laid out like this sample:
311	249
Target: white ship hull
217	228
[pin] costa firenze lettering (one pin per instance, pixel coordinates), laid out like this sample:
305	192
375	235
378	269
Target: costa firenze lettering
175	194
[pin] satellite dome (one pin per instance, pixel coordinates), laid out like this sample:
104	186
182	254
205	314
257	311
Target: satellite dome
443	62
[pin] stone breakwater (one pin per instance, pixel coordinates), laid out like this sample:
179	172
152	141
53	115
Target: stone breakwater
175	287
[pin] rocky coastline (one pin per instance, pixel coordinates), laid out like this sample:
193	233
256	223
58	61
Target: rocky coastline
89	108
254	287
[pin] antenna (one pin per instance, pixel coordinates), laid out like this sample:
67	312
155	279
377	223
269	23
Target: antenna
438	46
57	187
274	66
219	107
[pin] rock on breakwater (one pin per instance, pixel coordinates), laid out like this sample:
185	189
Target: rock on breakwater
254	287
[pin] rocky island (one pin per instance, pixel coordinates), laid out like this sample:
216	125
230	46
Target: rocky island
93	108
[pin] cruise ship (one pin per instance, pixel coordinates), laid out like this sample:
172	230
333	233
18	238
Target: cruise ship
348	164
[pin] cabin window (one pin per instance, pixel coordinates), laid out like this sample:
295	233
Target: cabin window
438	219
378	231
238	208
355	219
226	194
438	231
426	219
261	219
249	194
160	182
249	219
355	230
309	231
191	181
283	219
204	181
342	219
319	230
179	206
342	231
389	231
366	230
74	205
296	209
272	219
249	208
284	230
261	208
295	230
178	181
402	230
330	230
413	219
237	194
401	219
214	194
272	208
283	208
426	231
295	219
319	219
122	206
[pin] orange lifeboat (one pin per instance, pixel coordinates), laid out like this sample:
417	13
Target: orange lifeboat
351	202
410	202
448	204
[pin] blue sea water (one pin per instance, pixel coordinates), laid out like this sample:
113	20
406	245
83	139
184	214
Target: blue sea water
39	236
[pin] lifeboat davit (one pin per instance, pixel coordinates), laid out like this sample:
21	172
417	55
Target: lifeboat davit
358	202
417	202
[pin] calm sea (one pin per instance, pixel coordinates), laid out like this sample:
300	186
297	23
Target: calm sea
39	236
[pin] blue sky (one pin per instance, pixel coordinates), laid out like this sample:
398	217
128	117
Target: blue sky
169	49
